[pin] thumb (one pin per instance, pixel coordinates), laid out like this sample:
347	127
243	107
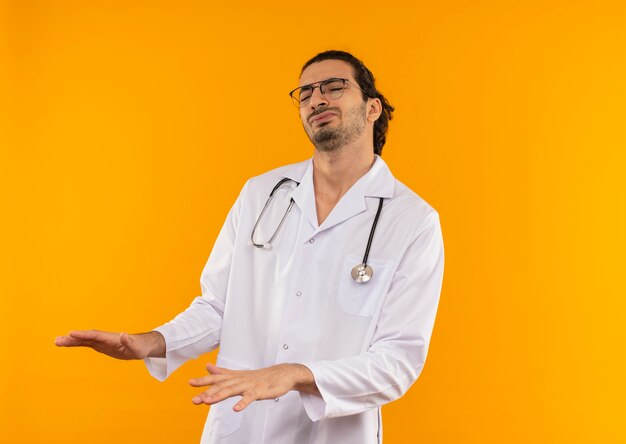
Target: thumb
127	340
133	346
136	348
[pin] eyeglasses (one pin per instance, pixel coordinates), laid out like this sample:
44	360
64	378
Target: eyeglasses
331	89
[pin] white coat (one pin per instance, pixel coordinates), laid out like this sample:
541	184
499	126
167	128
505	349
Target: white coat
297	303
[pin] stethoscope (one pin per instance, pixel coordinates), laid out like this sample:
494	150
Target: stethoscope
361	273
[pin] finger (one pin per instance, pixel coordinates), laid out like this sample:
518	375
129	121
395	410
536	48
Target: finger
220	392
208	380
244	402
89	335
215	370
205	397
62	341
68	341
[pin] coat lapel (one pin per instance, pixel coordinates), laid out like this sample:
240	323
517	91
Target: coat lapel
377	182
304	194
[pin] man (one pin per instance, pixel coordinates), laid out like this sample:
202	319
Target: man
322	297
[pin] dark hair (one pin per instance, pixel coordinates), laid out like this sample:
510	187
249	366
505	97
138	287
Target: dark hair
365	79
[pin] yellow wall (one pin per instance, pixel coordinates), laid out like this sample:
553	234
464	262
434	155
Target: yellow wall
127	129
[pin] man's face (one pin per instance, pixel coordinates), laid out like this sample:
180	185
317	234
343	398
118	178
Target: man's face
331	124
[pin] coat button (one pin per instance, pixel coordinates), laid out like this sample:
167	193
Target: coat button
311	240
285	346
298	293
276	399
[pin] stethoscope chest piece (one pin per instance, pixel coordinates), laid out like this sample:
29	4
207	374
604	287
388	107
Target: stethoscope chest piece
362	273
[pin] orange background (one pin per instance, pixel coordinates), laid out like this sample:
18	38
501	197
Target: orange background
128	128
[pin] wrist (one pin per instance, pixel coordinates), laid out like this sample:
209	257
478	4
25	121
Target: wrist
156	344
303	378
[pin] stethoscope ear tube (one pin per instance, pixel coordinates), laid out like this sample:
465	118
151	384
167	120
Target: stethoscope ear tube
277	186
268	245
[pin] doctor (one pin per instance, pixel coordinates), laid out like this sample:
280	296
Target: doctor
321	298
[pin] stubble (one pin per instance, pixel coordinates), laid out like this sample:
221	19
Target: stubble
329	139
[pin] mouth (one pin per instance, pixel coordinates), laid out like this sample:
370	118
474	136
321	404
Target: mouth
322	117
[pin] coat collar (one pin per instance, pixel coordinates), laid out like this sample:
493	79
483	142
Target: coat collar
377	182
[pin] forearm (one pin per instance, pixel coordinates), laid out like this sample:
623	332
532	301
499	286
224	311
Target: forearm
190	334
352	385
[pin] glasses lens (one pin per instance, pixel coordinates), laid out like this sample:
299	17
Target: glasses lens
304	94
333	88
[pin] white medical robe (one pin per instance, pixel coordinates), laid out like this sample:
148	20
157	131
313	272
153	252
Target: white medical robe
297	303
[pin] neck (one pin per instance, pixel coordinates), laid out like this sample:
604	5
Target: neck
335	172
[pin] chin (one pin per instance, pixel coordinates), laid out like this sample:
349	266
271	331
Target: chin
328	145
325	135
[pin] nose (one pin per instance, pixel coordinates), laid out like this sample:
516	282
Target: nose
317	99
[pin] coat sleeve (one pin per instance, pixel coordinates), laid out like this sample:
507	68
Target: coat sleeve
197	330
397	353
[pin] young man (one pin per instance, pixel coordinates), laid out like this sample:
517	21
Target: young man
322	287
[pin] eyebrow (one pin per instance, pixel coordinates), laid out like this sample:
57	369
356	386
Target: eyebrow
322	81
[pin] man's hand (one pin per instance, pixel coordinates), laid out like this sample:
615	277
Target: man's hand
266	383
116	345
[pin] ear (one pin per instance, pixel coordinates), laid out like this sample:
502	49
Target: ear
374	110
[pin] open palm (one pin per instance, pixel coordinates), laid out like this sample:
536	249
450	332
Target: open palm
116	345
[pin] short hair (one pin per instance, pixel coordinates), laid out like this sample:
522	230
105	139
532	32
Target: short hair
366	81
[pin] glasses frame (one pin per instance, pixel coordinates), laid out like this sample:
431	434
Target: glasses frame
320	85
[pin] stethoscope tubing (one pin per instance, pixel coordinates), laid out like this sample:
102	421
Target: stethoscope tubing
372	231
363	271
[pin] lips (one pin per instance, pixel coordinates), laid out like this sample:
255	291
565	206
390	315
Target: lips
322	117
